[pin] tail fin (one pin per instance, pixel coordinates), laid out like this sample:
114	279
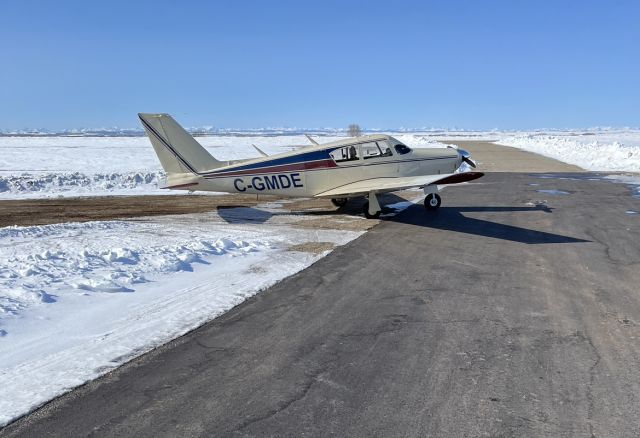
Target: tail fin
179	152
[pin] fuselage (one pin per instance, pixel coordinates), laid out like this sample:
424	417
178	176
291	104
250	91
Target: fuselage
313	170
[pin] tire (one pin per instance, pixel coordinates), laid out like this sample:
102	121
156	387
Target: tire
365	210
432	201
339	202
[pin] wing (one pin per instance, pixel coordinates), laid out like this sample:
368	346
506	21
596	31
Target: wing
260	151
392	184
311	139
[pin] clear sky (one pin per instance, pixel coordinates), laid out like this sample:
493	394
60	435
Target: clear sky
383	64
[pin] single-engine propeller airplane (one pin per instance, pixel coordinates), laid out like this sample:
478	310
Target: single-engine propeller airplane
357	166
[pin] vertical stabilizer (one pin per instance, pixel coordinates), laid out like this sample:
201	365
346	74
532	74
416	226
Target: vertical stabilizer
178	151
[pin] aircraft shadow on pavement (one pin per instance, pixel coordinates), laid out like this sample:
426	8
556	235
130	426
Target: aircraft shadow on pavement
242	214
238	214
453	219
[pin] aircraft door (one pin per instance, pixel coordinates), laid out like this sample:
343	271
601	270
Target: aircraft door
378	160
348	167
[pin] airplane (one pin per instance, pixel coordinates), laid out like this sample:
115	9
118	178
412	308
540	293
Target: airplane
358	166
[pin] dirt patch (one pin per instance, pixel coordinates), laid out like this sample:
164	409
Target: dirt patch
256	269
52	211
313	247
319	213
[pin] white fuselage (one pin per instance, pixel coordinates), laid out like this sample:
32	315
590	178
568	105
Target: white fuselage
311	171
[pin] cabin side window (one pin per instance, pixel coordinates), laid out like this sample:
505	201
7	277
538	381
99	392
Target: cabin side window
375	149
384	147
370	150
402	149
345	154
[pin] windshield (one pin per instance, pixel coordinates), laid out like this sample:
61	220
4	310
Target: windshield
402	149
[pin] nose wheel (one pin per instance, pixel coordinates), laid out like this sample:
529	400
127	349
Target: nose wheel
432	201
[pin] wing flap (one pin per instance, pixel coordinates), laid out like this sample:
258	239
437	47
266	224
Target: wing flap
392	184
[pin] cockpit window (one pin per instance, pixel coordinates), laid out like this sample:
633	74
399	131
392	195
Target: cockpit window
402	149
370	150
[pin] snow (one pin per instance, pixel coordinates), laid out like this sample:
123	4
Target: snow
55	166
37	167
29	185
633	181
591	150
78	299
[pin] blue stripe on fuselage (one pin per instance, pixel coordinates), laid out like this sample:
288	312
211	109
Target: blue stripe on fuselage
308	156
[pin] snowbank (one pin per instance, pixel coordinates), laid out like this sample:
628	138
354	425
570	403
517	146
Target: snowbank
605	151
80	184
36	167
39	167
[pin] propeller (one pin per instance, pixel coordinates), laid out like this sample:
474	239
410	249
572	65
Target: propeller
466	157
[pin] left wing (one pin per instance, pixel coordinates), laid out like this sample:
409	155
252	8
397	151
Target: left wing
311	139
260	151
391	184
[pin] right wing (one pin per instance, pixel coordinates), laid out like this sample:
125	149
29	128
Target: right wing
394	183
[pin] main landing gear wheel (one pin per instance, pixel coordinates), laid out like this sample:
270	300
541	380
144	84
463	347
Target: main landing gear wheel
432	201
368	215
339	202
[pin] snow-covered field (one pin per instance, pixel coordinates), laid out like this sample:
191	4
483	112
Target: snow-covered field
71	166
54	166
37	167
604	150
79	299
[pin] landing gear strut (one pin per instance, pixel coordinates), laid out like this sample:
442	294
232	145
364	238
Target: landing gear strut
371	208
339	202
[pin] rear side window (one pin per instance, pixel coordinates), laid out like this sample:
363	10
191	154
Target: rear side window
347	153
402	149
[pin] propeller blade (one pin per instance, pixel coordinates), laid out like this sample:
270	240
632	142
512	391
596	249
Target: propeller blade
465	155
469	161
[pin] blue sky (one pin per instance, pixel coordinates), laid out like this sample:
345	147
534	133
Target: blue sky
469	64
